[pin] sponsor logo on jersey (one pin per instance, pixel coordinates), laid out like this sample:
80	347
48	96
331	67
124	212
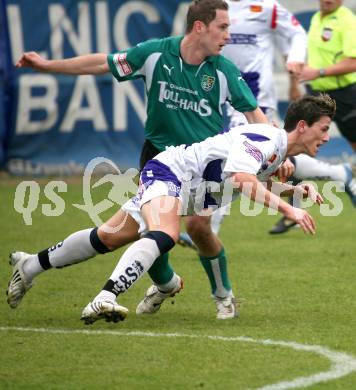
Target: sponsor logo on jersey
122	66
253	151
168	69
256	8
242	39
207	82
171	95
327	34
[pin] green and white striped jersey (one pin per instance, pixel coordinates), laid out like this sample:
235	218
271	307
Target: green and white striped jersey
184	101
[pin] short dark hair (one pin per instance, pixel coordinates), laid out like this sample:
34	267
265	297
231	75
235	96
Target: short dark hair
309	109
204	11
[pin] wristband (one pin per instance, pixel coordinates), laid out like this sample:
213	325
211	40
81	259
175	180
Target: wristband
322	72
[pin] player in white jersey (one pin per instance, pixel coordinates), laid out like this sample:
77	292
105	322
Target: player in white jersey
241	158
306	167
253	28
187	82
197	174
256	28
244	153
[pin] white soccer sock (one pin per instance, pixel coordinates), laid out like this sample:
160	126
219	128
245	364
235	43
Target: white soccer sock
311	168
32	267
136	261
105	295
169	286
217	219
74	249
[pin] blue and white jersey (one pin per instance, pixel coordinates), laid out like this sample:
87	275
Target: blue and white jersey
255	26
258	149
198	174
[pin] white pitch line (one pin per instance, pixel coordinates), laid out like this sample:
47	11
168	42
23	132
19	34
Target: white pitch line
342	364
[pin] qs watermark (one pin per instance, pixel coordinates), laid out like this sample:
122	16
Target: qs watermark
202	199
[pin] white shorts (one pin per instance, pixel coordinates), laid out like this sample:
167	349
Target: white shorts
155	190
158	180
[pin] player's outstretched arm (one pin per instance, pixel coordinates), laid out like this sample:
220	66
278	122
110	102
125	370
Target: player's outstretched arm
256	116
86	64
295	68
303	190
308	191
251	187
302	218
286	170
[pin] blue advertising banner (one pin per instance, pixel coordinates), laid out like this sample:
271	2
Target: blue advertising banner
55	124
58	123
6	73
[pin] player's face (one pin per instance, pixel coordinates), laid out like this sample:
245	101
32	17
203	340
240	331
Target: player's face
217	33
329	6
316	135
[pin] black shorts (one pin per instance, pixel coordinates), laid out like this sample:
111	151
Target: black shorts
148	152
345	116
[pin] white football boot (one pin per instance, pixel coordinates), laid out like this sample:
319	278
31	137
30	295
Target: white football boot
19	284
154	298
226	308
106	310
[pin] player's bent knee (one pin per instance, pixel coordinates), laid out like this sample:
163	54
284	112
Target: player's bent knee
198	226
98	242
112	240
163	240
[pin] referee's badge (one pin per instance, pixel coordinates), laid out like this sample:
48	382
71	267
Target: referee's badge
327	34
207	82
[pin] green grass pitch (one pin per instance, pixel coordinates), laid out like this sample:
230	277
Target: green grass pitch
292	288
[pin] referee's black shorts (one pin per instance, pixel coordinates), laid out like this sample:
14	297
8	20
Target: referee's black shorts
345	116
